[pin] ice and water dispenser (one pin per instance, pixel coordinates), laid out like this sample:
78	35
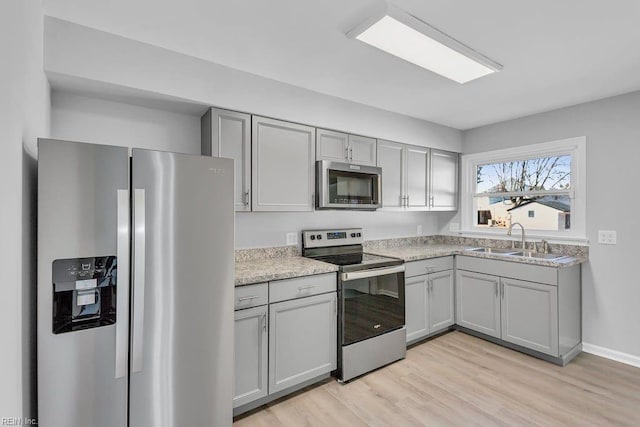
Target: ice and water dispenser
84	293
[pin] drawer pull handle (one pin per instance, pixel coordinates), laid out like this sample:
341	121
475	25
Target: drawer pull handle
248	298
305	288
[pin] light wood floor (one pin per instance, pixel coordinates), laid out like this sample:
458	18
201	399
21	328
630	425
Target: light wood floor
457	379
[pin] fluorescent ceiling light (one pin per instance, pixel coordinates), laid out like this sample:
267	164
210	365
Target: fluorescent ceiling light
405	36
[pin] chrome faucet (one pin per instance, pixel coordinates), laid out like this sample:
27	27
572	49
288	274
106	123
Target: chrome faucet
523	236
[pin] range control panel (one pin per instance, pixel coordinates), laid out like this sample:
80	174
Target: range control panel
334	237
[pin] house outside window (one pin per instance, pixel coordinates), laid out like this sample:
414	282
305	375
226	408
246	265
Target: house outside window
540	186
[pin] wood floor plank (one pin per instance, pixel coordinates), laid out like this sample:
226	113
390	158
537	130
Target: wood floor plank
458	379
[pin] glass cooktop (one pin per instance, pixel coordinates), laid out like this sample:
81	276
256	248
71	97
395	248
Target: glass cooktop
358	260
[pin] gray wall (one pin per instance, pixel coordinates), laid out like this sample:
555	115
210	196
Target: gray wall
611	288
24	116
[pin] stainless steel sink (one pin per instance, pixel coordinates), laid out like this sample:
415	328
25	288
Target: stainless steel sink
493	251
527	254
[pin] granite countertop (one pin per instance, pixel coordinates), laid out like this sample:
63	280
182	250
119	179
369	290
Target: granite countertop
426	251
264	270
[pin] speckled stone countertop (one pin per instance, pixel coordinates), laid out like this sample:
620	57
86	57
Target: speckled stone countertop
265	264
434	250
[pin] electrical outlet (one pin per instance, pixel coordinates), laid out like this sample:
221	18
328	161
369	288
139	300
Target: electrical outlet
419	230
607	237
454	226
292	238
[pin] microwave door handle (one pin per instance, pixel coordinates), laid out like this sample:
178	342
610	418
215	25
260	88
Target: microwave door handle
122	297
374	272
138	280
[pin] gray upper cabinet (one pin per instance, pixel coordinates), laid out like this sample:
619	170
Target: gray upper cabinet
362	150
391	160
283	157
530	315
228	134
404	176
478	302
342	147
250	355
444	181
417	166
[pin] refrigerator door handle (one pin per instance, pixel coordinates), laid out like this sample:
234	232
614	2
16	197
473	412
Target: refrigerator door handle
138	279
122	298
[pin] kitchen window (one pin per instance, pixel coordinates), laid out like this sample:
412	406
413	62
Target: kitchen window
541	186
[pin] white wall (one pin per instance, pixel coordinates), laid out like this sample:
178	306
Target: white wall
87	55
80	118
610	284
264	229
24	115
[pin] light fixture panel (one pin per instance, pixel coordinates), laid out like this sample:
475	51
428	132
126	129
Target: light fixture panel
405	36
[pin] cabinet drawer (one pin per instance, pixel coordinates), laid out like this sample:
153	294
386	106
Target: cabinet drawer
425	266
299	287
251	295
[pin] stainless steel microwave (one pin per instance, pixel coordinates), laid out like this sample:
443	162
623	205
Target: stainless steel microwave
348	186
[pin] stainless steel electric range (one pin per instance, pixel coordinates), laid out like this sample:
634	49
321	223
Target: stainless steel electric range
371	317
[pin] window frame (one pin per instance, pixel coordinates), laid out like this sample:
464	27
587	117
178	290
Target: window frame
575	147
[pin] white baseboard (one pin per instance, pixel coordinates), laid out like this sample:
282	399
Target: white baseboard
618	356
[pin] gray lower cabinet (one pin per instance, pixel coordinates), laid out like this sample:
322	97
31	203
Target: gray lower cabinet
530	315
429	297
533	307
478	302
283	173
302	340
228	134
250	355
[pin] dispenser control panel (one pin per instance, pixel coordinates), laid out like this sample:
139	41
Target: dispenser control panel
84	293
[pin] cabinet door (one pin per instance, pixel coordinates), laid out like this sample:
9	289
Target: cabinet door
302	340
441	300
390	159
530	315
362	150
416	315
478	303
417	159
250	355
228	134
444	181
332	145
283	165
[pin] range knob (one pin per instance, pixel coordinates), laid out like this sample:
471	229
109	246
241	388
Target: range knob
353	234
319	237
358	234
313	237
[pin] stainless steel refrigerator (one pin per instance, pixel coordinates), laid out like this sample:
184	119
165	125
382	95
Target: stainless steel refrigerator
135	287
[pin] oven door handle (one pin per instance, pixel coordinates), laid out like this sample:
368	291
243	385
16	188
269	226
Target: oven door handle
371	273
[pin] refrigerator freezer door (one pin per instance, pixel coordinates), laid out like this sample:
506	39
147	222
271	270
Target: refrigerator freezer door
80	382
183	357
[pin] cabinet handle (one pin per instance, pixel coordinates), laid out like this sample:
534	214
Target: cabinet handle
246	198
335	306
264	322
305	288
497	288
431	201
502	290
346	153
248	298
407	201
350	153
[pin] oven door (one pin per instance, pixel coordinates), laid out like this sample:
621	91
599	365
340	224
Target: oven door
348	186
371	303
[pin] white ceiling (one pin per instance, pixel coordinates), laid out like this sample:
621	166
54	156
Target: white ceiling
555	53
